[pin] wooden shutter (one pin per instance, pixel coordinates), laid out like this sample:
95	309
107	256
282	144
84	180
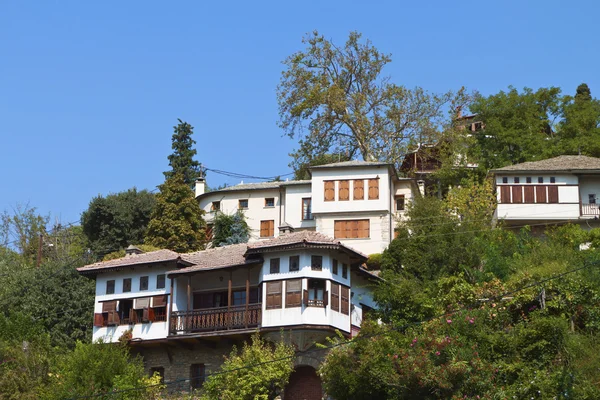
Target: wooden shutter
274	294
159	301
98	319
113	318
552	194
305	297
339	231
329	190
109	306
146	315
540	194
345	306
267	228
293	293
373	189
325	298
150	314
132	316
335	297
363	228
517	194
359	189
528	194
142	302
505	194
343	190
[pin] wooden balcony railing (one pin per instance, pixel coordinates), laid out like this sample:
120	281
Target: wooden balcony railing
216	319
315	303
590	209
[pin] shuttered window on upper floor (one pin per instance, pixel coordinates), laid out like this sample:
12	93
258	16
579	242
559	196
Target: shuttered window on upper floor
343	190
373	189
329	190
273	295
359	189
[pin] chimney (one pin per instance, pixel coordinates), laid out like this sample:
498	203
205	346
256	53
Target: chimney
200	186
132	250
285	228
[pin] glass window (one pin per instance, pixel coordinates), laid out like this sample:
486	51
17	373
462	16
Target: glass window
243	204
540	179
160	281
552	179
110	286
126	285
505	180
239	297
316	263
344	271
592	198
216	206
144	283
196	376
270	202
528	179
294	263
274	266
306	209
516	180
400	203
334	267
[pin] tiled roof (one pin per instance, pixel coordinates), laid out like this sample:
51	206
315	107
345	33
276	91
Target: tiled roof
556	164
300	238
351	163
131	259
215	258
258	186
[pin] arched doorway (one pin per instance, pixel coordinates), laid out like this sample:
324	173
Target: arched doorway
304	384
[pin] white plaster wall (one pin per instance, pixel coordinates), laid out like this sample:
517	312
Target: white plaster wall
153	330
380	230
292	212
255	213
568	194
587	186
304	315
319	176
561	179
362	293
538	211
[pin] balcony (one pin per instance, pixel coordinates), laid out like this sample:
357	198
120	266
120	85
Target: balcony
216	319
590	210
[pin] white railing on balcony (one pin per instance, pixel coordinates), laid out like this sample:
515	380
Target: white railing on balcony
590	209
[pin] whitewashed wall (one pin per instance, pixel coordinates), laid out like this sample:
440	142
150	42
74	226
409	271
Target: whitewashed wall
587	186
380	230
292	210
146	331
362	293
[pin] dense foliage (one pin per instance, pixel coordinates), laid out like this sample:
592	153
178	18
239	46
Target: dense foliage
250	373
114	222
177	221
230	229
466	317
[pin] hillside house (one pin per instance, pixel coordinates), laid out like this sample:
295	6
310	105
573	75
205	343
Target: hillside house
558	190
186	310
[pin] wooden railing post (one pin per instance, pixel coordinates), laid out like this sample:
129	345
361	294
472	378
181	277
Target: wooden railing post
247	298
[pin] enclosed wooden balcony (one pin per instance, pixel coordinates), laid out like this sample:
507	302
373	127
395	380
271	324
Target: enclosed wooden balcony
216	319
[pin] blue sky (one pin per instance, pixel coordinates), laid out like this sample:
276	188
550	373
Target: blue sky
90	91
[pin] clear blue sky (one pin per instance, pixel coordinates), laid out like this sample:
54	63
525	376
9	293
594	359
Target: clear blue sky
90	91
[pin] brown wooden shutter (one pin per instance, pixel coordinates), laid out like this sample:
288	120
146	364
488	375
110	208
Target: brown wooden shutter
363	228
359	189
326	298
98	319
505	194
274	294
109	306
271	228
343	190
159	301
339	231
335	297
113	318
132	316
293	289
355	228
517	196
345	306
150	314
305	297
552	194
373	189
329	190
528	192
540	194
145	315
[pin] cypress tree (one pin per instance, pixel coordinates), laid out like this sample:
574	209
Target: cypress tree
182	160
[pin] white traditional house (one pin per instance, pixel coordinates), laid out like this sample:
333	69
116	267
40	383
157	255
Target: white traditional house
356	202
183	312
558	190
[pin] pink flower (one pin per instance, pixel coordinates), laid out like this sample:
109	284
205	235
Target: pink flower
472	320
395	356
415	340
449	321
437	353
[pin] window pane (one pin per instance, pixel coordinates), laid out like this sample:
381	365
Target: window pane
316	263
274	266
127	285
160	281
144	283
110	287
294	263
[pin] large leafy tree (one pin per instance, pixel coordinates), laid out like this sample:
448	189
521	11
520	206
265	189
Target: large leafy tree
519	126
114	222
335	99
177	221
579	131
230	229
182	160
21	229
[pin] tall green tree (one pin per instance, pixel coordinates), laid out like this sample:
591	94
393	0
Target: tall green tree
579	130
114	222
182	160
177	221
519	126
336	100
21	230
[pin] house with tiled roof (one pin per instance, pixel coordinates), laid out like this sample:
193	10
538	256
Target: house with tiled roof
563	189
183	312
356	202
